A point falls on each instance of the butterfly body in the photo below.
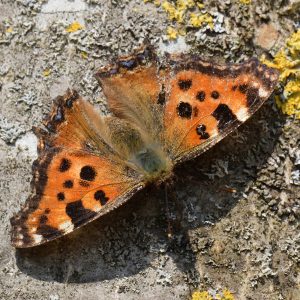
(162, 114)
(156, 167)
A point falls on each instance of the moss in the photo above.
(183, 14)
(287, 61)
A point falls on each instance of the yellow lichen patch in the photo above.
(205, 295)
(84, 55)
(245, 1)
(75, 26)
(182, 14)
(172, 33)
(200, 5)
(284, 63)
(174, 13)
(156, 2)
(9, 30)
(46, 72)
(294, 44)
(292, 93)
(226, 295)
(201, 296)
(197, 20)
(287, 61)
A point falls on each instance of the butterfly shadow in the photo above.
(129, 239)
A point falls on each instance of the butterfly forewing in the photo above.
(205, 102)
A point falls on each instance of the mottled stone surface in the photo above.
(238, 203)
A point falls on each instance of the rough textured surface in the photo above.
(238, 203)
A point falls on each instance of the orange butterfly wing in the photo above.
(73, 183)
(206, 101)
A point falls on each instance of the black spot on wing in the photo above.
(87, 173)
(201, 131)
(60, 196)
(68, 184)
(251, 94)
(101, 197)
(43, 219)
(200, 96)
(184, 84)
(224, 116)
(78, 214)
(48, 231)
(215, 94)
(65, 165)
(162, 96)
(184, 110)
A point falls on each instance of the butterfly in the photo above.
(163, 112)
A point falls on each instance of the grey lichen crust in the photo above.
(237, 206)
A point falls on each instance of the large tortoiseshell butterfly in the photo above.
(162, 114)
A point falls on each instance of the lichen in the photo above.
(172, 33)
(197, 20)
(75, 26)
(46, 72)
(183, 14)
(287, 61)
(84, 54)
(227, 295)
(245, 1)
(206, 295)
(10, 130)
(28, 100)
(201, 296)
